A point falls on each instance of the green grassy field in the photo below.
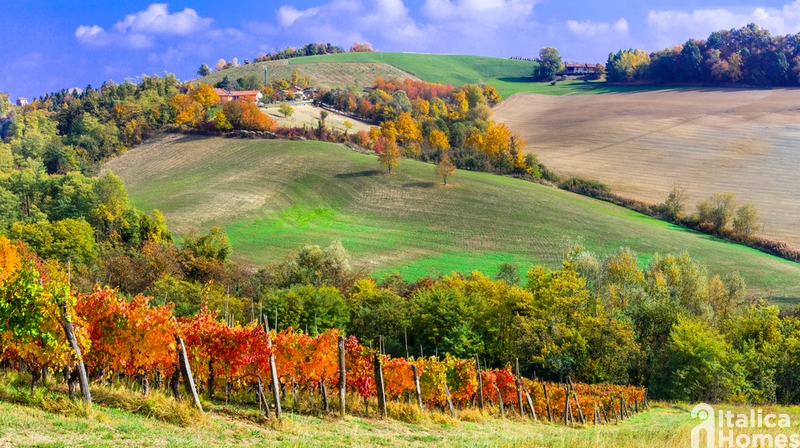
(509, 76)
(338, 70)
(273, 196)
(20, 426)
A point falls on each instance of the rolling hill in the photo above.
(509, 76)
(707, 140)
(272, 196)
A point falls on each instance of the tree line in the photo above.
(312, 49)
(749, 55)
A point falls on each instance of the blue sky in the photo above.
(49, 45)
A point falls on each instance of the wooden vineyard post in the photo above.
(530, 403)
(342, 378)
(211, 384)
(324, 391)
(379, 385)
(622, 410)
(500, 400)
(273, 369)
(417, 389)
(449, 399)
(519, 392)
(567, 409)
(577, 401)
(276, 392)
(480, 382)
(547, 401)
(603, 414)
(69, 332)
(262, 399)
(186, 372)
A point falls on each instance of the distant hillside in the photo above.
(273, 196)
(329, 74)
(509, 76)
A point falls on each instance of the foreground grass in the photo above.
(663, 426)
(272, 197)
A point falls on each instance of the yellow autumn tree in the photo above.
(390, 156)
(445, 168)
(421, 107)
(205, 95)
(438, 139)
(407, 129)
(495, 140)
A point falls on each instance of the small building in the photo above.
(247, 95)
(579, 68)
(224, 95)
(242, 95)
(22, 101)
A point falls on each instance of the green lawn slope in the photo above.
(509, 76)
(272, 196)
(228, 426)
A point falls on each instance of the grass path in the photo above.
(663, 426)
(273, 196)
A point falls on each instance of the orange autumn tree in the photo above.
(244, 115)
(186, 111)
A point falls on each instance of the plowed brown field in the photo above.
(708, 140)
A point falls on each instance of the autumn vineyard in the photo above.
(145, 343)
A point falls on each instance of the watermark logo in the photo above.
(727, 429)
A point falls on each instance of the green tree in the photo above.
(509, 273)
(675, 204)
(717, 210)
(745, 223)
(204, 70)
(4, 104)
(286, 109)
(214, 244)
(111, 216)
(549, 64)
(375, 311)
(701, 365)
(308, 307)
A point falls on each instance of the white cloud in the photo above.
(287, 14)
(156, 19)
(592, 29)
(136, 30)
(493, 11)
(673, 26)
(346, 21)
(92, 35)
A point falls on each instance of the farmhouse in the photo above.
(579, 68)
(244, 95)
(22, 101)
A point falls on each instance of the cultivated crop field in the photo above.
(274, 196)
(708, 140)
(308, 115)
(329, 74)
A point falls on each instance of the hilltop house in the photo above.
(579, 68)
(243, 95)
(22, 101)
